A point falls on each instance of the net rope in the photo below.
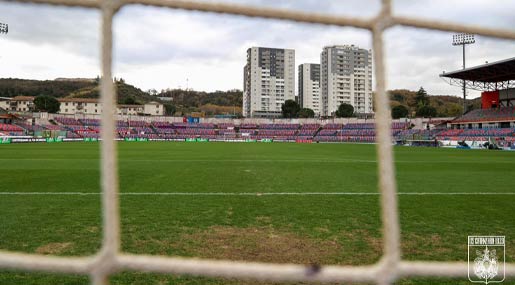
(110, 260)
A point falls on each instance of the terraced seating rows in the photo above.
(484, 115)
(11, 130)
(476, 134)
(331, 132)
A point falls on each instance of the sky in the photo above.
(163, 48)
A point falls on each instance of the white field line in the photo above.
(195, 160)
(259, 194)
(344, 160)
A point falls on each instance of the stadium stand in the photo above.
(488, 115)
(194, 125)
(476, 134)
(354, 132)
(53, 127)
(12, 130)
(310, 132)
(133, 123)
(122, 123)
(164, 130)
(30, 127)
(81, 131)
(333, 126)
(329, 133)
(248, 126)
(278, 132)
(90, 122)
(67, 121)
(226, 126)
(164, 125)
(359, 126)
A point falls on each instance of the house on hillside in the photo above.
(17, 104)
(79, 106)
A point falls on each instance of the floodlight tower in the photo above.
(463, 39)
(4, 28)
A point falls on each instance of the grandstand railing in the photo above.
(110, 259)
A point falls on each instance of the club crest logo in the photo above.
(486, 259)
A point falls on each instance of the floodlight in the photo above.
(463, 39)
(4, 28)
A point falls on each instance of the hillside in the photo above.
(185, 102)
(211, 103)
(10, 87)
(70, 88)
(446, 105)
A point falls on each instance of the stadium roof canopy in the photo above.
(487, 77)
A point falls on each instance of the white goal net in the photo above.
(110, 260)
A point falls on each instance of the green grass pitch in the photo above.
(325, 229)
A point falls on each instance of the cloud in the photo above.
(165, 48)
(358, 8)
(494, 14)
(74, 29)
(20, 60)
(416, 57)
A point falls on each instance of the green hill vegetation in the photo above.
(210, 103)
(11, 87)
(184, 102)
(444, 105)
(71, 88)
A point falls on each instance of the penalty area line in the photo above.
(256, 193)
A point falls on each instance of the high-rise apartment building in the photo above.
(309, 87)
(346, 77)
(269, 80)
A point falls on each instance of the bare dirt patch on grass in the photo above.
(360, 247)
(429, 247)
(263, 244)
(54, 248)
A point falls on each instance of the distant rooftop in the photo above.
(75, 79)
(351, 47)
(499, 71)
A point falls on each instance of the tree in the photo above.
(344, 111)
(399, 111)
(45, 103)
(426, 111)
(453, 110)
(170, 109)
(421, 97)
(290, 109)
(129, 101)
(152, 92)
(306, 113)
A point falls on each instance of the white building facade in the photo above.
(154, 109)
(17, 104)
(346, 77)
(269, 80)
(309, 87)
(79, 106)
